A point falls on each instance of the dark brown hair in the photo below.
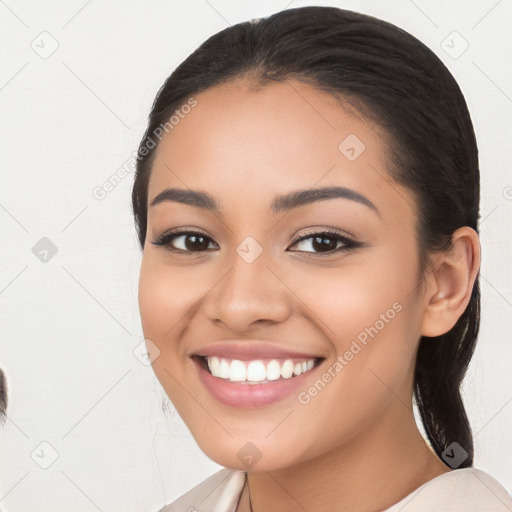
(394, 79)
(3, 397)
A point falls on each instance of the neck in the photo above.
(373, 471)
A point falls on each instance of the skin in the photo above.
(245, 145)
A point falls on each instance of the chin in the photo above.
(244, 455)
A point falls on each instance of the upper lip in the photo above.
(249, 350)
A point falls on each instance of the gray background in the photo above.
(78, 79)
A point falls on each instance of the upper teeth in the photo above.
(256, 371)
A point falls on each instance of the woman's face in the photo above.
(261, 289)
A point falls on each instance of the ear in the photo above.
(451, 282)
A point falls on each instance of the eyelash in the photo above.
(165, 240)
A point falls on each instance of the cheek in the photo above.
(372, 330)
(371, 320)
(373, 339)
(153, 302)
(347, 301)
(160, 312)
(162, 304)
(164, 297)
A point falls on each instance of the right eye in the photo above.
(186, 242)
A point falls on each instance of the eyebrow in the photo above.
(279, 204)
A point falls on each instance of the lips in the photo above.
(250, 376)
(248, 350)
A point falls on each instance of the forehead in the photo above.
(247, 144)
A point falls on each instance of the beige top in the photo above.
(460, 490)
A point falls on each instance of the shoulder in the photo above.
(220, 491)
(459, 490)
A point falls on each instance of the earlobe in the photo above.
(451, 283)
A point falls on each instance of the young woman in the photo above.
(307, 202)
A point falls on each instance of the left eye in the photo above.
(324, 242)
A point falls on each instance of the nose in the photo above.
(249, 295)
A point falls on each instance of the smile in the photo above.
(249, 383)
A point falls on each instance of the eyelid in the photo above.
(165, 238)
(318, 230)
(184, 230)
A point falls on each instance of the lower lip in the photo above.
(236, 394)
